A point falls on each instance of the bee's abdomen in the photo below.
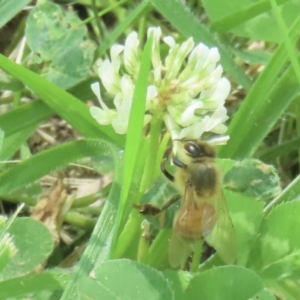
(194, 224)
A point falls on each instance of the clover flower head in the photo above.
(186, 86)
(7, 246)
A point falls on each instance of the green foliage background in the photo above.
(56, 72)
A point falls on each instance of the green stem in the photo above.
(158, 249)
(90, 210)
(101, 13)
(17, 99)
(131, 233)
(151, 167)
(291, 50)
(133, 223)
(196, 256)
(161, 151)
(143, 248)
(142, 29)
(97, 18)
(288, 194)
(79, 220)
(87, 200)
(17, 198)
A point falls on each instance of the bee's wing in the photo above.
(194, 219)
(222, 237)
(179, 251)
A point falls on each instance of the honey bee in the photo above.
(202, 213)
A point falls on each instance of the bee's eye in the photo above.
(193, 150)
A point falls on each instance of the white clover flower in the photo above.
(187, 87)
(7, 247)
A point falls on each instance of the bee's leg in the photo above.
(152, 210)
(178, 163)
(147, 209)
(173, 200)
(163, 164)
(175, 160)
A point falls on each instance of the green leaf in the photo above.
(33, 284)
(285, 288)
(53, 34)
(32, 250)
(179, 281)
(8, 9)
(246, 215)
(279, 243)
(124, 279)
(287, 267)
(224, 283)
(254, 179)
(263, 295)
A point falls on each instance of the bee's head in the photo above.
(198, 149)
(192, 150)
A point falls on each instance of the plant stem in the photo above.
(150, 168)
(87, 200)
(157, 250)
(196, 256)
(79, 220)
(143, 247)
(289, 193)
(129, 234)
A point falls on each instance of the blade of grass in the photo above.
(100, 244)
(239, 17)
(101, 13)
(131, 17)
(249, 119)
(182, 18)
(64, 104)
(279, 150)
(134, 134)
(265, 118)
(12, 143)
(1, 138)
(287, 41)
(42, 163)
(8, 9)
(29, 114)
